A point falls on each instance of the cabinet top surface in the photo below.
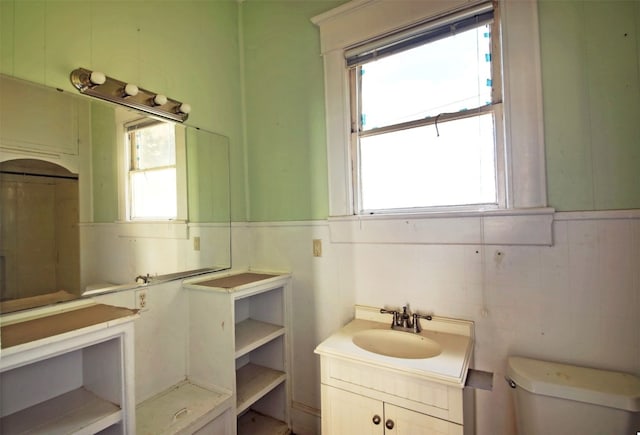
(237, 281)
(449, 367)
(27, 331)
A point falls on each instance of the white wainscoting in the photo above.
(576, 301)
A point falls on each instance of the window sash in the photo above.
(429, 31)
(424, 34)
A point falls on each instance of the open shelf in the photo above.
(251, 334)
(254, 423)
(183, 406)
(253, 382)
(77, 412)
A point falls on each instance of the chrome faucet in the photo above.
(144, 279)
(405, 321)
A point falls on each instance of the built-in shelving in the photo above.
(251, 334)
(77, 412)
(68, 371)
(253, 382)
(251, 356)
(183, 408)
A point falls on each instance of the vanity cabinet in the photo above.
(68, 372)
(238, 332)
(374, 393)
(347, 412)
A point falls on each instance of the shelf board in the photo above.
(254, 423)
(60, 323)
(251, 334)
(77, 412)
(253, 382)
(180, 407)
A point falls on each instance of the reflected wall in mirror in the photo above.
(86, 235)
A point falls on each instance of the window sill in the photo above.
(492, 227)
(174, 229)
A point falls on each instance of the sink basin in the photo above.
(397, 344)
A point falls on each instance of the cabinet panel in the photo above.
(407, 422)
(52, 124)
(68, 378)
(348, 413)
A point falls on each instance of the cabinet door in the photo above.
(348, 413)
(406, 422)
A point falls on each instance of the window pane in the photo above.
(155, 146)
(447, 75)
(153, 194)
(417, 168)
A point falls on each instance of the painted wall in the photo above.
(591, 82)
(284, 95)
(186, 49)
(561, 303)
(591, 86)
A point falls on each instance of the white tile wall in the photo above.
(577, 301)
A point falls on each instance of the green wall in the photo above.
(104, 163)
(591, 81)
(187, 49)
(591, 89)
(285, 127)
(191, 50)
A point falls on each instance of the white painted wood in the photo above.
(492, 228)
(406, 422)
(238, 339)
(253, 382)
(184, 408)
(76, 412)
(344, 412)
(251, 334)
(50, 133)
(358, 20)
(252, 423)
(91, 394)
(418, 396)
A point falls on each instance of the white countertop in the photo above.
(449, 367)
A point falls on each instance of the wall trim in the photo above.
(597, 215)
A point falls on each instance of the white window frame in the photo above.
(359, 21)
(123, 118)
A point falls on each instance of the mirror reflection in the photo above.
(94, 195)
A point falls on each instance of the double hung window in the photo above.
(152, 185)
(426, 114)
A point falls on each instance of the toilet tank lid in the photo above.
(582, 384)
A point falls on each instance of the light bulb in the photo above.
(159, 100)
(184, 108)
(131, 90)
(97, 78)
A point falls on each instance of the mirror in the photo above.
(64, 225)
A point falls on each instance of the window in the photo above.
(423, 116)
(356, 29)
(152, 184)
(424, 121)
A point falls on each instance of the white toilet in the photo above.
(552, 398)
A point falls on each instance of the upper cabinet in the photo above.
(41, 123)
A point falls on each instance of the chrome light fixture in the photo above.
(98, 85)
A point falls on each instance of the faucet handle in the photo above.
(395, 319)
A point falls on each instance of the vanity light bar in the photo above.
(98, 85)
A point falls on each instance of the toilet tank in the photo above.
(552, 398)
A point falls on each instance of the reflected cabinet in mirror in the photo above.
(98, 197)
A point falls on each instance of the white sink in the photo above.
(397, 344)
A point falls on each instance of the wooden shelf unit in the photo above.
(68, 372)
(185, 408)
(250, 357)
